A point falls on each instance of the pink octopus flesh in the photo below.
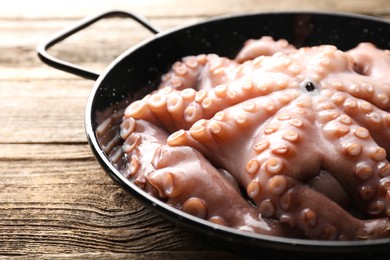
(279, 141)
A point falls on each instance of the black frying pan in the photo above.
(138, 70)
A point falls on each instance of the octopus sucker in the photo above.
(131, 143)
(274, 165)
(285, 201)
(267, 208)
(277, 185)
(127, 127)
(280, 140)
(175, 107)
(280, 149)
(254, 189)
(309, 216)
(261, 146)
(192, 114)
(184, 73)
(195, 207)
(364, 170)
(368, 116)
(366, 193)
(157, 104)
(291, 136)
(140, 110)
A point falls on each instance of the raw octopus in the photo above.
(278, 141)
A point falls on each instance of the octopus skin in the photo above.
(186, 180)
(279, 141)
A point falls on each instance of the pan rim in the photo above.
(204, 226)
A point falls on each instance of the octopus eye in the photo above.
(309, 86)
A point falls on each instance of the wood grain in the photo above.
(55, 200)
(73, 207)
(172, 8)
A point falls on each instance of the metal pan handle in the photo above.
(65, 33)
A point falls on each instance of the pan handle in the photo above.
(44, 46)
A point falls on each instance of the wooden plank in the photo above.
(18, 32)
(15, 152)
(90, 48)
(43, 87)
(190, 254)
(42, 120)
(102, 42)
(43, 111)
(155, 8)
(48, 206)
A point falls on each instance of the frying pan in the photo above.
(137, 72)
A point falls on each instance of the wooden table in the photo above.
(55, 200)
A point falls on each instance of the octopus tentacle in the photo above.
(167, 108)
(364, 114)
(362, 87)
(198, 72)
(265, 46)
(173, 109)
(279, 196)
(366, 75)
(153, 166)
(196, 190)
(141, 140)
(299, 206)
(371, 61)
(362, 160)
(231, 127)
